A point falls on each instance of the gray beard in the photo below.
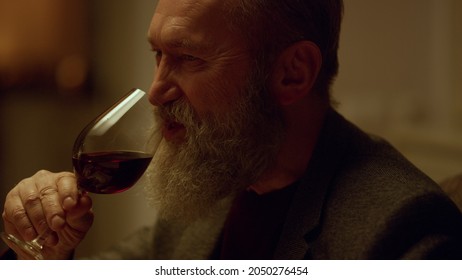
(221, 155)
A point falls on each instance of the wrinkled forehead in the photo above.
(201, 19)
(200, 9)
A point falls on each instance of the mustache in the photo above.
(179, 111)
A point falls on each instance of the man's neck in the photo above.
(303, 129)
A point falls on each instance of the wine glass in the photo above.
(109, 156)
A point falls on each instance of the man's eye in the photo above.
(188, 57)
(158, 56)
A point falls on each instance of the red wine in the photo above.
(109, 172)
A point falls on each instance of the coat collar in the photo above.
(304, 216)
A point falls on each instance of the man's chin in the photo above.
(182, 191)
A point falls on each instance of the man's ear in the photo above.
(295, 72)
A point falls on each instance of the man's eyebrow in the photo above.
(181, 44)
(184, 43)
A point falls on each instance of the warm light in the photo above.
(71, 72)
(44, 43)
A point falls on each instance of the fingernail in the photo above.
(68, 203)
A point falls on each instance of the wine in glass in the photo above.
(114, 150)
(109, 156)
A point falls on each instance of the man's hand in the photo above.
(49, 200)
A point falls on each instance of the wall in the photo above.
(400, 77)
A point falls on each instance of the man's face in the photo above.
(198, 58)
(221, 128)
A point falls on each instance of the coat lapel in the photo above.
(304, 216)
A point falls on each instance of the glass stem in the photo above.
(39, 241)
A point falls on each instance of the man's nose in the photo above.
(164, 89)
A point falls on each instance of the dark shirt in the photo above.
(253, 226)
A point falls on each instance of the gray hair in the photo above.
(272, 25)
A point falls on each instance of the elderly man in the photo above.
(255, 162)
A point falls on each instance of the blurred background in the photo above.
(62, 62)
